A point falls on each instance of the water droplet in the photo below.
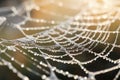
(91, 77)
(76, 77)
(26, 78)
(22, 65)
(44, 77)
(12, 59)
(12, 48)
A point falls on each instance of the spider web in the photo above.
(78, 42)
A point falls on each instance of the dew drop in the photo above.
(22, 65)
(12, 59)
(26, 78)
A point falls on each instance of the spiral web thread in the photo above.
(85, 38)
